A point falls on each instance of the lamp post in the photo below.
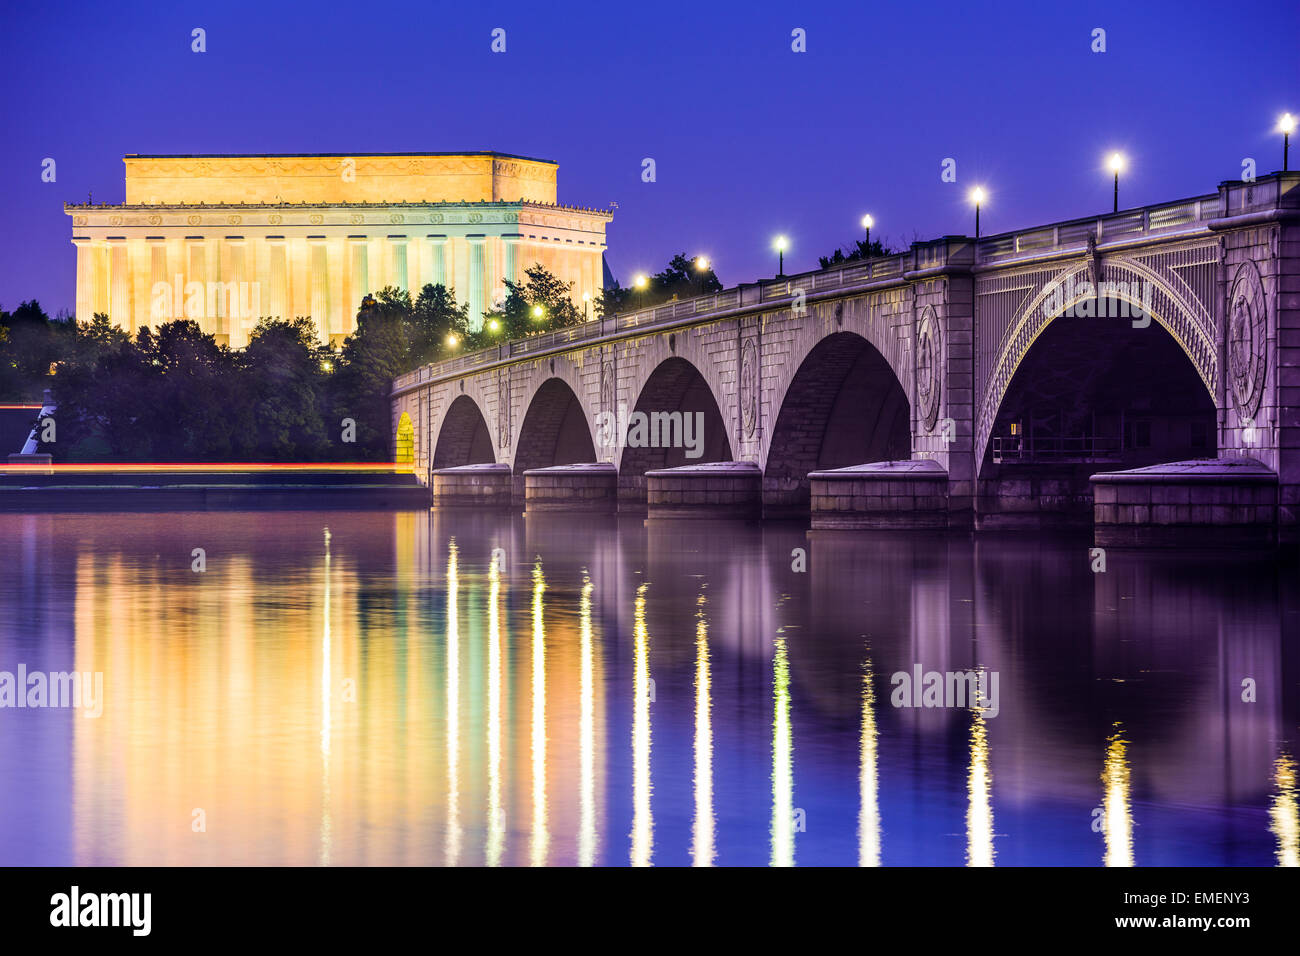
(1116, 164)
(781, 244)
(640, 283)
(1286, 125)
(586, 306)
(977, 197)
(867, 223)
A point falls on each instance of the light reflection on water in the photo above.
(375, 688)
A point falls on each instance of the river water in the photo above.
(466, 689)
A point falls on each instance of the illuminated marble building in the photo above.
(227, 239)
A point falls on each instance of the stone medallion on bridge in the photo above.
(749, 387)
(929, 367)
(1247, 331)
(607, 387)
(503, 407)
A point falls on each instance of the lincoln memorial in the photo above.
(225, 240)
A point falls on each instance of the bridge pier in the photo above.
(588, 487)
(722, 489)
(475, 486)
(1223, 502)
(884, 494)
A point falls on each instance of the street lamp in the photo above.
(1116, 164)
(494, 325)
(781, 245)
(452, 341)
(1286, 126)
(977, 196)
(867, 223)
(538, 312)
(640, 283)
(701, 263)
(586, 305)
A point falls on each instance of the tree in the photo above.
(683, 279)
(859, 250)
(435, 316)
(375, 354)
(541, 303)
(285, 369)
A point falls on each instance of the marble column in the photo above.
(241, 306)
(476, 282)
(299, 255)
(259, 257)
(320, 296)
(162, 294)
(337, 256)
(511, 243)
(119, 309)
(437, 260)
(360, 274)
(195, 307)
(218, 319)
(85, 279)
(397, 256)
(141, 265)
(278, 275)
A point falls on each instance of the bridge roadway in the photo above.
(984, 364)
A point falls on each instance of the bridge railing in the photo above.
(1133, 223)
(1066, 236)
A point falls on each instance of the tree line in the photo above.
(175, 394)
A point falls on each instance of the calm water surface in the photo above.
(358, 688)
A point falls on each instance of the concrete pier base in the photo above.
(471, 486)
(590, 487)
(1214, 502)
(882, 494)
(720, 489)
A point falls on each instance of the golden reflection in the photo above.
(586, 735)
(541, 833)
(1283, 816)
(496, 813)
(979, 788)
(702, 829)
(325, 715)
(868, 793)
(453, 706)
(1117, 819)
(642, 821)
(782, 762)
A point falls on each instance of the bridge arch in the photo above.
(843, 405)
(556, 429)
(463, 437)
(1146, 283)
(676, 388)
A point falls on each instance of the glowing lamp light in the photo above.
(1115, 163)
(1286, 124)
(452, 341)
(327, 366)
(782, 244)
(537, 312)
(494, 325)
(640, 281)
(702, 263)
(977, 196)
(867, 222)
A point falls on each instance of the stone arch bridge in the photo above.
(963, 383)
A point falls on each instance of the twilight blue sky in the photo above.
(749, 138)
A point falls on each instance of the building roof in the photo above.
(462, 152)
